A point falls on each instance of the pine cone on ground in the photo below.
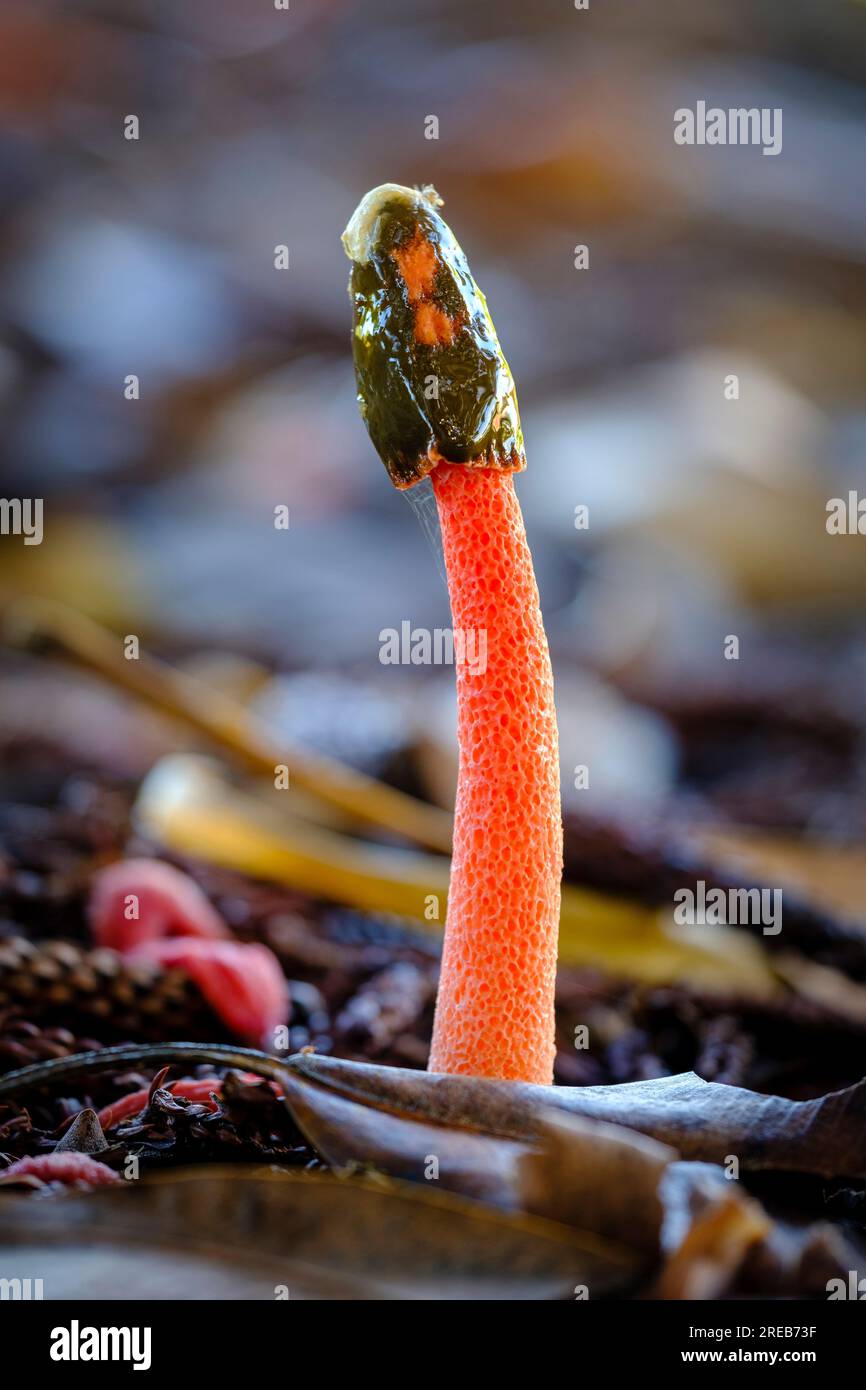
(68, 985)
(23, 1043)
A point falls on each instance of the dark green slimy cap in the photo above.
(424, 402)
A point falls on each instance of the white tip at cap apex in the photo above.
(358, 236)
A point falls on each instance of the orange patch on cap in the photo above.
(432, 325)
(417, 262)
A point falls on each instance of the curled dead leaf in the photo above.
(709, 1227)
(351, 1136)
(702, 1120)
(587, 1172)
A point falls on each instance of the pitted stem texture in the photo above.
(494, 1016)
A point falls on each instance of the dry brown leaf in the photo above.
(700, 1119)
(623, 1185)
(709, 1227)
(595, 1175)
(625, 1198)
(350, 1135)
(242, 1233)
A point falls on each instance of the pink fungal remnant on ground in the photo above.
(135, 900)
(148, 910)
(64, 1168)
(244, 984)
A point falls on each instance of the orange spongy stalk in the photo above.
(494, 1015)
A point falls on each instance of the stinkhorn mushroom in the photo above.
(438, 399)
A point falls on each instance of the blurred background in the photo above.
(164, 387)
(258, 128)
